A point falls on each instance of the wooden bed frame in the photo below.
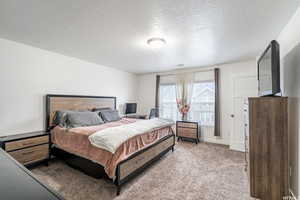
(126, 169)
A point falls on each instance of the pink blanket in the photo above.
(76, 141)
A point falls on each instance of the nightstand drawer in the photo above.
(10, 146)
(32, 154)
(187, 132)
(187, 125)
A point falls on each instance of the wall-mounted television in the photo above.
(130, 108)
(269, 70)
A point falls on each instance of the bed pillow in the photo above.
(100, 109)
(85, 118)
(110, 115)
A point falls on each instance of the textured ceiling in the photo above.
(114, 32)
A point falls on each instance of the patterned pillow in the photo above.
(60, 118)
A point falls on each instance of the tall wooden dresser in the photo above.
(268, 147)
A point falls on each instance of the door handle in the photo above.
(232, 115)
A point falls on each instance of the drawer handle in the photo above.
(139, 160)
(27, 143)
(27, 153)
(26, 161)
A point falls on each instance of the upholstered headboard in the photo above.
(56, 102)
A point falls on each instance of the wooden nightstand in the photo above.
(28, 148)
(187, 130)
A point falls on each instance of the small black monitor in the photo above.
(130, 108)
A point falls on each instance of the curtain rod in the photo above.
(181, 72)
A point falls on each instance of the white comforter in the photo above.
(111, 138)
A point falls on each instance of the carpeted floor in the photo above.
(200, 172)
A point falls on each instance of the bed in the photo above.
(131, 158)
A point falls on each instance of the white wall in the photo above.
(146, 94)
(289, 40)
(27, 74)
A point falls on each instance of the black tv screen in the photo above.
(269, 71)
(130, 108)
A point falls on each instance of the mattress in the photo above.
(75, 141)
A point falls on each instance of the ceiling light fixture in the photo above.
(156, 42)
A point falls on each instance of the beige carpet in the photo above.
(203, 171)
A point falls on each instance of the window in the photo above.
(167, 102)
(203, 103)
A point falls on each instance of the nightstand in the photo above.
(28, 148)
(187, 130)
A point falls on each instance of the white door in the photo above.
(243, 87)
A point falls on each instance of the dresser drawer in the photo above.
(10, 146)
(187, 125)
(187, 132)
(31, 154)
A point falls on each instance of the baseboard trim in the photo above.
(292, 195)
(213, 140)
(237, 146)
(217, 144)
